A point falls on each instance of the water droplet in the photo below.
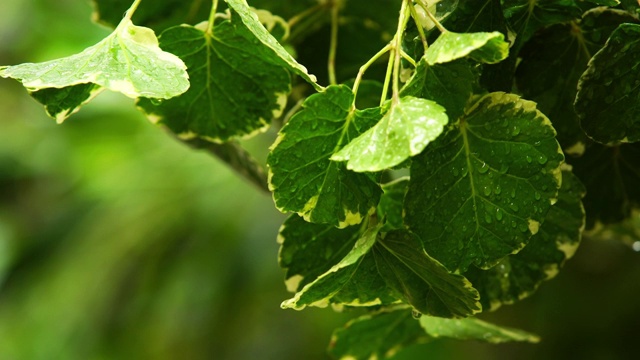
(499, 214)
(486, 190)
(515, 131)
(542, 159)
(498, 189)
(487, 218)
(484, 168)
(514, 207)
(529, 159)
(537, 195)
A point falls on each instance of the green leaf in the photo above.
(608, 92)
(237, 87)
(354, 281)
(251, 21)
(481, 190)
(450, 85)
(486, 16)
(129, 61)
(518, 276)
(377, 336)
(477, 16)
(616, 169)
(302, 177)
(422, 281)
(526, 16)
(309, 250)
(62, 103)
(158, 14)
(485, 47)
(404, 131)
(552, 63)
(474, 329)
(391, 204)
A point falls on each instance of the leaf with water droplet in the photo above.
(434, 191)
(129, 61)
(354, 281)
(526, 17)
(404, 131)
(252, 23)
(237, 85)
(308, 250)
(377, 335)
(484, 47)
(552, 63)
(519, 275)
(391, 204)
(450, 85)
(474, 329)
(607, 101)
(420, 280)
(325, 191)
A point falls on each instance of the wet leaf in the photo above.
(302, 177)
(377, 336)
(449, 85)
(499, 166)
(404, 131)
(552, 63)
(308, 250)
(484, 47)
(237, 86)
(525, 17)
(251, 21)
(518, 276)
(420, 280)
(62, 103)
(391, 204)
(129, 61)
(608, 92)
(354, 281)
(474, 329)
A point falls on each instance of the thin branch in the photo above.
(236, 157)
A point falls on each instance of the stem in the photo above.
(236, 157)
(423, 37)
(132, 9)
(387, 77)
(408, 58)
(212, 17)
(331, 65)
(365, 67)
(432, 17)
(297, 18)
(397, 49)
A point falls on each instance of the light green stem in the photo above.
(132, 9)
(212, 17)
(397, 49)
(331, 65)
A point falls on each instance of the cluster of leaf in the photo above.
(491, 208)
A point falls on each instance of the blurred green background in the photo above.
(118, 242)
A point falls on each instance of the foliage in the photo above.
(511, 117)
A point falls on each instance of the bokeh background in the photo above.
(118, 242)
